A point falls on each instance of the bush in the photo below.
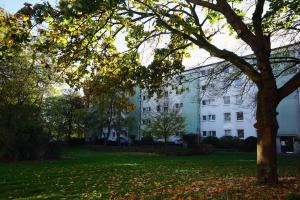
(22, 136)
(250, 144)
(77, 141)
(146, 140)
(211, 140)
(292, 196)
(229, 142)
(191, 139)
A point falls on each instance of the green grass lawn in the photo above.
(86, 174)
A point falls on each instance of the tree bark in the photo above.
(267, 128)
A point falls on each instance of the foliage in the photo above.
(211, 140)
(165, 124)
(250, 144)
(136, 175)
(229, 142)
(147, 139)
(22, 135)
(65, 116)
(191, 139)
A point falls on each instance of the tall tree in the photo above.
(87, 30)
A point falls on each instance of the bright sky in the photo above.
(13, 6)
(197, 56)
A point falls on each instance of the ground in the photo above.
(87, 174)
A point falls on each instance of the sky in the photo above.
(13, 6)
(197, 56)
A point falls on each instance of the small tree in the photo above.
(165, 124)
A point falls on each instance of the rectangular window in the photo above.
(166, 109)
(158, 108)
(238, 99)
(227, 132)
(227, 116)
(176, 105)
(213, 133)
(144, 109)
(238, 83)
(204, 117)
(204, 133)
(211, 117)
(181, 105)
(240, 133)
(144, 98)
(166, 93)
(239, 116)
(208, 102)
(203, 87)
(149, 109)
(226, 99)
(226, 69)
(203, 73)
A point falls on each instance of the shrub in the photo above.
(22, 135)
(191, 139)
(229, 142)
(76, 141)
(292, 196)
(147, 140)
(211, 140)
(250, 144)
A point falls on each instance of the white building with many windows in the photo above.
(216, 100)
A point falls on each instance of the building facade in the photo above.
(229, 111)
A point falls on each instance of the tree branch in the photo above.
(289, 87)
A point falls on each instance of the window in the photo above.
(239, 116)
(227, 132)
(238, 83)
(181, 105)
(209, 117)
(144, 98)
(144, 109)
(166, 108)
(227, 116)
(226, 99)
(146, 121)
(212, 117)
(204, 133)
(158, 108)
(149, 109)
(240, 133)
(208, 102)
(238, 99)
(212, 133)
(226, 69)
(176, 105)
(166, 93)
(203, 87)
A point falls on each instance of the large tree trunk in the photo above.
(267, 128)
